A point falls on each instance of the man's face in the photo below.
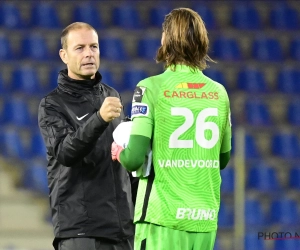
(82, 55)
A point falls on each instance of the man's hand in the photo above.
(115, 151)
(111, 108)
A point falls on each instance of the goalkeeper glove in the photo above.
(115, 151)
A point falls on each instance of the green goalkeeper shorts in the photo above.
(155, 237)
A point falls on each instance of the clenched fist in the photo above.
(111, 108)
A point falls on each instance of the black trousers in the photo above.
(94, 244)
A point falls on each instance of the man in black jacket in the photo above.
(90, 195)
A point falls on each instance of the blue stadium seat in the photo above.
(147, 47)
(35, 177)
(88, 13)
(254, 214)
(35, 47)
(25, 80)
(294, 177)
(127, 109)
(10, 16)
(6, 52)
(107, 77)
(286, 145)
(257, 112)
(132, 76)
(226, 48)
(227, 175)
(288, 80)
(207, 15)
(252, 80)
(287, 244)
(267, 49)
(3, 88)
(295, 48)
(263, 178)
(293, 113)
(12, 145)
(216, 75)
(112, 48)
(284, 17)
(126, 17)
(16, 112)
(245, 16)
(285, 211)
(157, 15)
(44, 15)
(251, 149)
(37, 146)
(225, 216)
(252, 242)
(53, 75)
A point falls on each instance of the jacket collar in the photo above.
(73, 86)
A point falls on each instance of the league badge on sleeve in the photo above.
(140, 109)
(138, 94)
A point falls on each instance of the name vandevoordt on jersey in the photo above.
(189, 163)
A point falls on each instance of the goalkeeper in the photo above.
(185, 117)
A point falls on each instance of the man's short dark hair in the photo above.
(73, 26)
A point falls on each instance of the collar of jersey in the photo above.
(184, 68)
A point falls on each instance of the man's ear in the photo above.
(63, 55)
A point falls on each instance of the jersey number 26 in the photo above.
(201, 126)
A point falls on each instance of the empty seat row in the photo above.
(34, 46)
(242, 16)
(263, 48)
(283, 211)
(281, 16)
(257, 113)
(284, 144)
(253, 79)
(46, 15)
(21, 146)
(261, 177)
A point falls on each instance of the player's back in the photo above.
(190, 112)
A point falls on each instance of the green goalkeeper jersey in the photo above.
(188, 117)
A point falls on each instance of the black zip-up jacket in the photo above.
(90, 195)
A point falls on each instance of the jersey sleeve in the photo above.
(226, 142)
(142, 111)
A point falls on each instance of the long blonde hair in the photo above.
(186, 40)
